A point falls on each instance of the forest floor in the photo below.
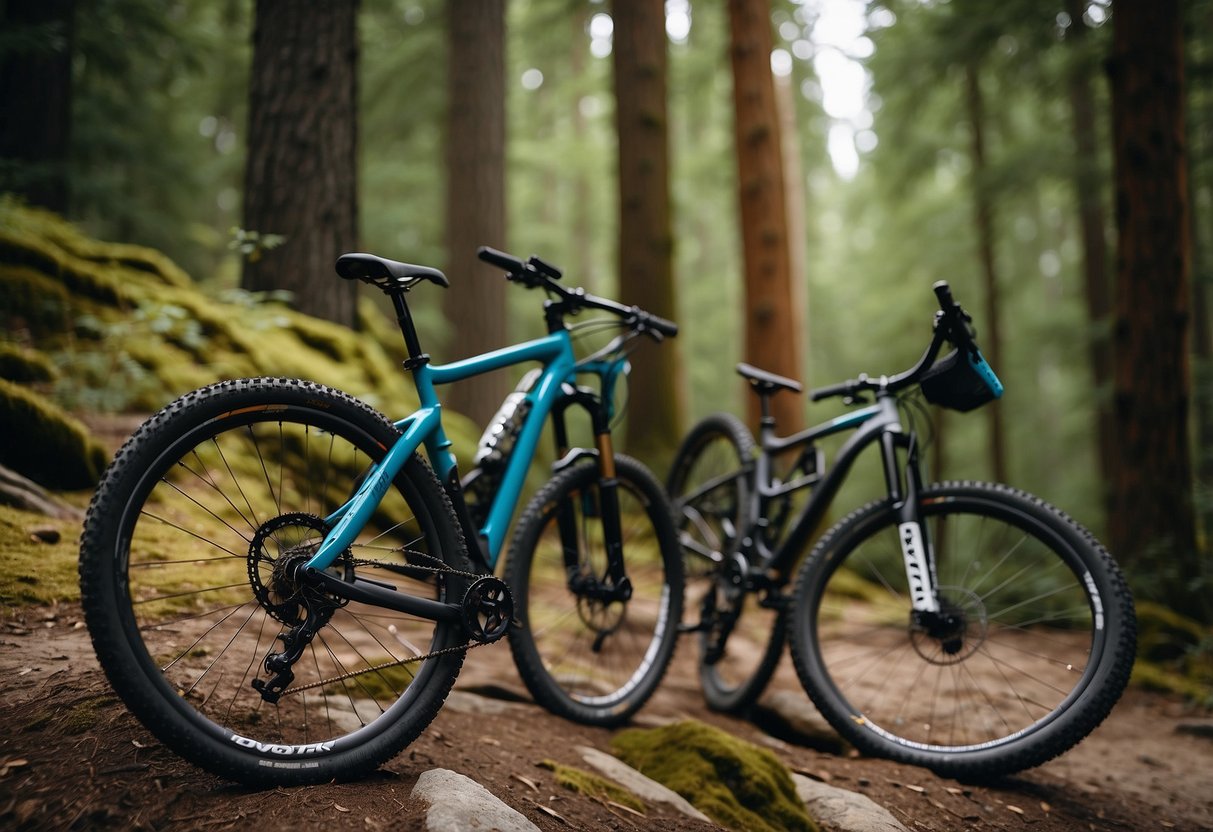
(71, 757)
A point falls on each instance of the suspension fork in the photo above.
(603, 503)
(904, 483)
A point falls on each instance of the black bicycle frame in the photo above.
(880, 423)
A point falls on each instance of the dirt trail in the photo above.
(71, 757)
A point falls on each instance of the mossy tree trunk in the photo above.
(1152, 524)
(301, 173)
(646, 268)
(770, 305)
(475, 305)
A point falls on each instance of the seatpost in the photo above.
(405, 319)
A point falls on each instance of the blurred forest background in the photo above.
(1051, 159)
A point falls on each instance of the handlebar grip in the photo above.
(829, 392)
(944, 293)
(500, 259)
(665, 327)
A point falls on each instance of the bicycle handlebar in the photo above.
(952, 324)
(535, 273)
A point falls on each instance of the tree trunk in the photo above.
(35, 99)
(301, 173)
(983, 219)
(770, 320)
(1200, 127)
(1152, 526)
(1097, 286)
(475, 305)
(646, 271)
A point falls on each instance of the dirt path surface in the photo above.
(72, 758)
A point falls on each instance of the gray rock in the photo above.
(459, 804)
(648, 790)
(473, 703)
(839, 810)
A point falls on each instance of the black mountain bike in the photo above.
(967, 627)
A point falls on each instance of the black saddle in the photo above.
(386, 274)
(765, 383)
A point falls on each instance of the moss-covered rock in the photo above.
(592, 785)
(130, 332)
(737, 784)
(25, 366)
(1174, 653)
(45, 444)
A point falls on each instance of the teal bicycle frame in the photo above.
(424, 427)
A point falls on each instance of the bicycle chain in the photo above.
(442, 568)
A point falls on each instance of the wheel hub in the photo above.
(955, 632)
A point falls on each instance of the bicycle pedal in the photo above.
(692, 628)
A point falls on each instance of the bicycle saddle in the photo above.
(765, 382)
(384, 273)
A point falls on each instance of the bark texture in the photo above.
(301, 173)
(475, 305)
(35, 100)
(646, 271)
(1152, 525)
(771, 335)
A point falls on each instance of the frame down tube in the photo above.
(555, 351)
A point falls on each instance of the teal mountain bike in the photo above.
(967, 627)
(283, 590)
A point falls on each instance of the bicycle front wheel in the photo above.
(187, 584)
(741, 638)
(1031, 648)
(584, 654)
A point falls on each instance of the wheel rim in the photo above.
(598, 651)
(709, 501)
(205, 597)
(1018, 650)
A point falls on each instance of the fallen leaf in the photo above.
(628, 809)
(918, 789)
(551, 812)
(138, 744)
(526, 781)
(9, 765)
(1014, 809)
(340, 808)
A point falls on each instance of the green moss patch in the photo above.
(1174, 654)
(592, 785)
(737, 784)
(45, 444)
(123, 329)
(25, 366)
(35, 572)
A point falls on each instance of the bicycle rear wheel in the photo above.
(584, 656)
(1032, 647)
(710, 489)
(187, 589)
